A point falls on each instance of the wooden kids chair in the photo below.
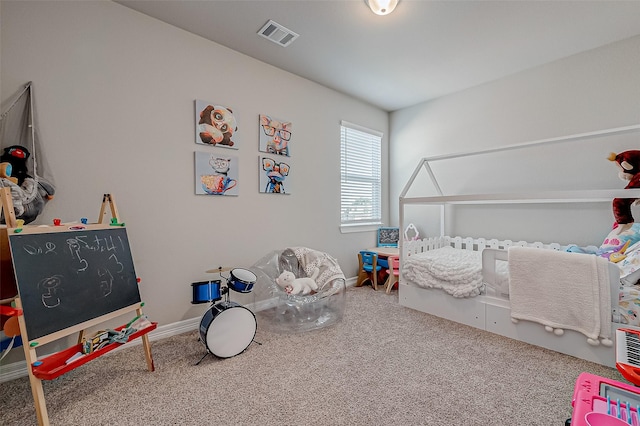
(369, 268)
(393, 271)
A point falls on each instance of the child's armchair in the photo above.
(290, 312)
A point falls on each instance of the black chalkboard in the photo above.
(66, 278)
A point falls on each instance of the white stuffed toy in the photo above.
(293, 285)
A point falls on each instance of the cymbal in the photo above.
(218, 269)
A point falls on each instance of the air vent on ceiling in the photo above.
(277, 33)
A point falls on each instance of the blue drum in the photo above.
(206, 291)
(241, 280)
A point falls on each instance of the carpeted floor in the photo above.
(382, 365)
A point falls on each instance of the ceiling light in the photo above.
(382, 7)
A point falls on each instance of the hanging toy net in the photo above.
(23, 168)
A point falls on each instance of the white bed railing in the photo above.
(472, 244)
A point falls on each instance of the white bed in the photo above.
(471, 281)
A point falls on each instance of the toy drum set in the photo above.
(227, 328)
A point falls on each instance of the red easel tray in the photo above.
(56, 364)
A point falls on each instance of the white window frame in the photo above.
(360, 176)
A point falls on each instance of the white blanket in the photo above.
(328, 267)
(458, 272)
(561, 291)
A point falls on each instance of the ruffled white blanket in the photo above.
(458, 272)
(328, 267)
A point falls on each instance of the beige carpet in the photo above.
(382, 365)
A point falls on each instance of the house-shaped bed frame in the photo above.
(489, 312)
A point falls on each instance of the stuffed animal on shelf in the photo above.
(629, 170)
(293, 285)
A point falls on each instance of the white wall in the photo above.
(594, 90)
(114, 93)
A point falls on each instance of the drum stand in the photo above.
(203, 357)
(209, 353)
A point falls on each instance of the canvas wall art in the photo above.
(216, 125)
(216, 174)
(274, 176)
(275, 135)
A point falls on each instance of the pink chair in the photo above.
(393, 271)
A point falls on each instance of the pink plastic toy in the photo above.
(598, 401)
(603, 419)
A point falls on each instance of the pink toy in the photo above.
(598, 401)
(603, 419)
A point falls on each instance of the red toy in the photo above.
(629, 165)
(628, 354)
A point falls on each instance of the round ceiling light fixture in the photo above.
(381, 7)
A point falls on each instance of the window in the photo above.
(360, 175)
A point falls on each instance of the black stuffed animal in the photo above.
(17, 156)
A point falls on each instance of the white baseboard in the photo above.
(18, 369)
(12, 371)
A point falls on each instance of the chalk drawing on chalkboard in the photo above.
(388, 237)
(74, 248)
(49, 247)
(106, 281)
(50, 287)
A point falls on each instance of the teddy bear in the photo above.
(293, 285)
(628, 163)
(217, 125)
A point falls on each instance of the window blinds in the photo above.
(360, 175)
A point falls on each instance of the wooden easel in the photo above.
(8, 290)
(108, 199)
(56, 364)
(7, 206)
